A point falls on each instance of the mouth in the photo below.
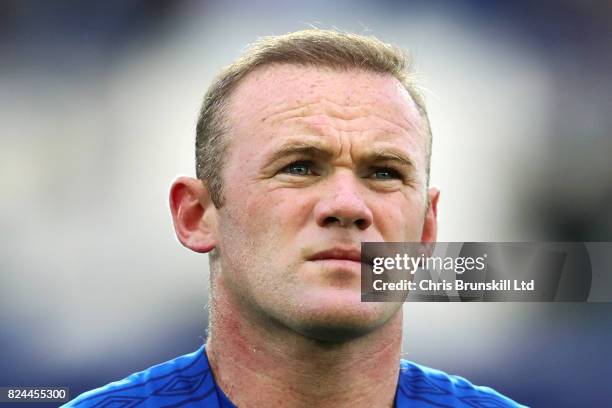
(338, 254)
(338, 266)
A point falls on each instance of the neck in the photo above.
(260, 365)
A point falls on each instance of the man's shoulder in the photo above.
(423, 386)
(179, 382)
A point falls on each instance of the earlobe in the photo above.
(193, 214)
(430, 226)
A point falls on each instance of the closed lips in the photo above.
(338, 254)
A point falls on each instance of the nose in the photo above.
(342, 205)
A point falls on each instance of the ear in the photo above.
(430, 226)
(193, 214)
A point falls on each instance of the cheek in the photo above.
(281, 207)
(400, 218)
(260, 212)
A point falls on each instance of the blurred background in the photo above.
(98, 104)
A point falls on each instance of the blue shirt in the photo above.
(188, 381)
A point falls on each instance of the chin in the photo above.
(339, 319)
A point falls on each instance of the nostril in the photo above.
(361, 224)
(331, 220)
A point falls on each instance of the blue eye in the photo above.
(299, 168)
(386, 174)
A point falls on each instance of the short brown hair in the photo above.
(313, 47)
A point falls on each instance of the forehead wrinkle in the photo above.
(379, 142)
(334, 110)
(333, 136)
(334, 126)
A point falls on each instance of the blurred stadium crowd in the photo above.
(98, 102)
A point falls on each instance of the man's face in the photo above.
(319, 161)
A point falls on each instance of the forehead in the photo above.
(270, 89)
(346, 110)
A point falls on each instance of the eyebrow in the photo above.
(389, 155)
(321, 151)
(294, 148)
